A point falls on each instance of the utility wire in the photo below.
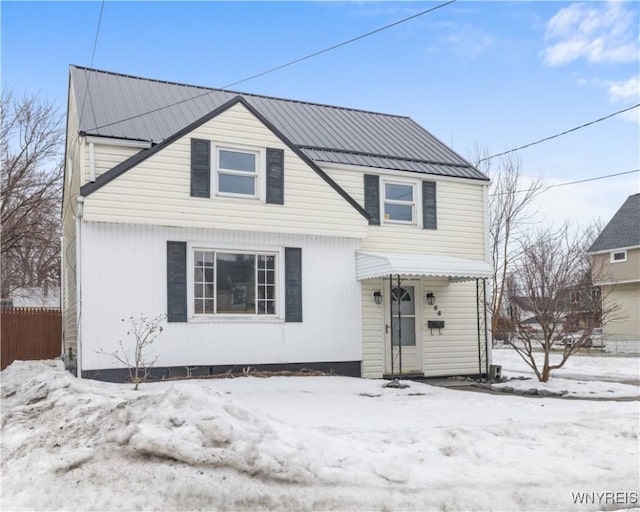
(271, 70)
(337, 45)
(93, 55)
(561, 133)
(595, 178)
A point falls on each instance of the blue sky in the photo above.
(495, 74)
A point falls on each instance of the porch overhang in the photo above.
(381, 264)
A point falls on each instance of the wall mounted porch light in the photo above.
(431, 299)
(377, 297)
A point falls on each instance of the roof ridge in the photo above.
(182, 84)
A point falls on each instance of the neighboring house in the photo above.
(273, 233)
(616, 258)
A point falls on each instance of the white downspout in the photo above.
(79, 212)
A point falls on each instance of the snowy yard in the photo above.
(583, 375)
(306, 443)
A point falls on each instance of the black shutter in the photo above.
(372, 197)
(293, 284)
(200, 168)
(176, 281)
(429, 213)
(275, 176)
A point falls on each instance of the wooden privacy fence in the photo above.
(30, 333)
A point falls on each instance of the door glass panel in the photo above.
(407, 316)
(407, 304)
(407, 334)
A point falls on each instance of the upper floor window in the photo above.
(618, 256)
(399, 202)
(237, 172)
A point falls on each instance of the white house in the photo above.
(273, 233)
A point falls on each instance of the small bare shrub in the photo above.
(139, 361)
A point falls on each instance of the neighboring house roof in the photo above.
(623, 230)
(323, 133)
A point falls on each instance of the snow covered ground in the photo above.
(306, 443)
(582, 375)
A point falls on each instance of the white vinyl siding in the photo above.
(106, 157)
(624, 322)
(609, 272)
(460, 213)
(157, 191)
(68, 251)
(124, 273)
(372, 330)
(452, 351)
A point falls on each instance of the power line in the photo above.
(561, 133)
(337, 45)
(595, 178)
(271, 70)
(93, 55)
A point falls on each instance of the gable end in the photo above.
(123, 167)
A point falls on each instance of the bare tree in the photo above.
(137, 359)
(31, 144)
(510, 211)
(552, 283)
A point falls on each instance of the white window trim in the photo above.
(416, 209)
(259, 176)
(277, 251)
(618, 261)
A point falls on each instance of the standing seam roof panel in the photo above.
(115, 97)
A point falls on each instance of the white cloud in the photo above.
(625, 91)
(598, 33)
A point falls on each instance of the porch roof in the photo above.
(381, 264)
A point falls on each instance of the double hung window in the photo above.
(399, 202)
(229, 283)
(237, 172)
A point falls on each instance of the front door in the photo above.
(403, 331)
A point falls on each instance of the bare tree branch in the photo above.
(510, 198)
(31, 145)
(553, 303)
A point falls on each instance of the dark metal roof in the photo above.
(623, 230)
(322, 132)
